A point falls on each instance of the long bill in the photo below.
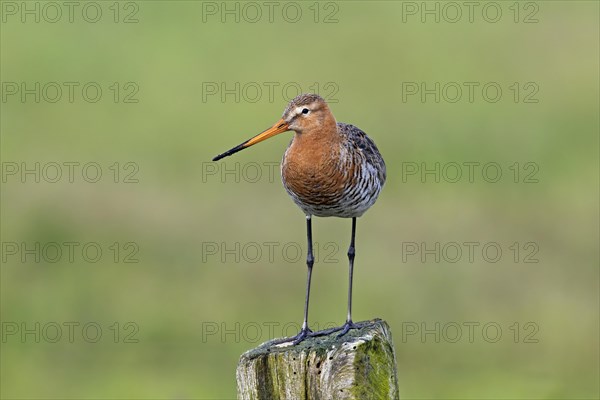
(279, 127)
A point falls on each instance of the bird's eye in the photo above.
(305, 111)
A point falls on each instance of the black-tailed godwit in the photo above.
(330, 169)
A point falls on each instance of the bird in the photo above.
(330, 169)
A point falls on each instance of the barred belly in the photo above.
(343, 186)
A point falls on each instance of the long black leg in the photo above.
(351, 252)
(349, 324)
(310, 260)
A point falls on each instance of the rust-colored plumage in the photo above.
(330, 169)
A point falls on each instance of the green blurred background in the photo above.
(193, 309)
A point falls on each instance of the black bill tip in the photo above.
(230, 152)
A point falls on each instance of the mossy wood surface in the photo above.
(359, 365)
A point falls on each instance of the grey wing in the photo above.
(360, 139)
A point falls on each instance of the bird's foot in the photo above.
(303, 334)
(344, 328)
(326, 332)
(307, 333)
(347, 326)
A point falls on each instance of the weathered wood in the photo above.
(359, 365)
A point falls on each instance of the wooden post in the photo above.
(359, 365)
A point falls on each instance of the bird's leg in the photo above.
(349, 324)
(310, 260)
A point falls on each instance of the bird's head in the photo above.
(305, 113)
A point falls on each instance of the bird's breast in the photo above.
(329, 181)
(313, 174)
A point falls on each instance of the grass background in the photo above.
(178, 292)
